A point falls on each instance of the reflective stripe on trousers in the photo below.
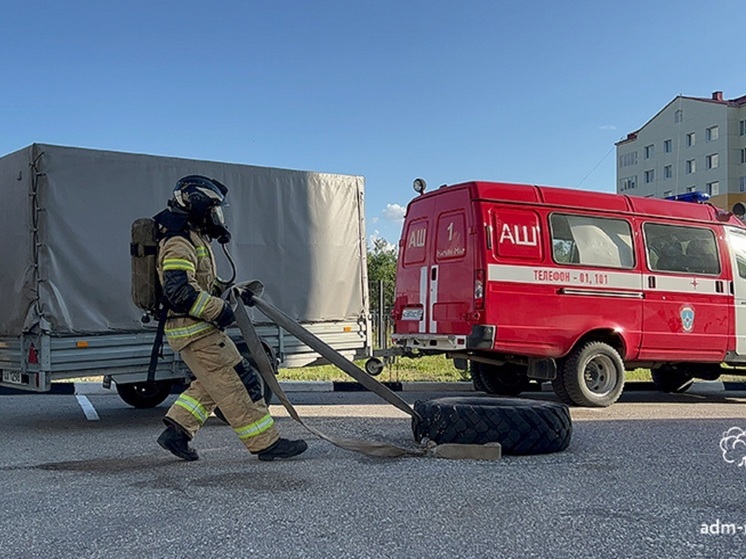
(254, 429)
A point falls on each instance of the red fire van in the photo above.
(549, 283)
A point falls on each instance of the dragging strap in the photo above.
(370, 448)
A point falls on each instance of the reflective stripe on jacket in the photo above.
(186, 268)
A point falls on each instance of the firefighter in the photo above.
(197, 318)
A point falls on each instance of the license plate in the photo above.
(411, 314)
(12, 377)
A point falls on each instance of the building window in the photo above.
(691, 167)
(650, 176)
(690, 139)
(667, 146)
(628, 159)
(668, 171)
(743, 155)
(742, 184)
(712, 161)
(691, 188)
(712, 133)
(743, 128)
(713, 188)
(649, 150)
(678, 116)
(667, 193)
(628, 183)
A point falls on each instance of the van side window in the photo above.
(675, 248)
(415, 241)
(591, 241)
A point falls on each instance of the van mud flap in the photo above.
(482, 451)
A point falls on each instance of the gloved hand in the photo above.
(226, 316)
(247, 296)
(248, 290)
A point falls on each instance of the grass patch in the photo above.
(434, 368)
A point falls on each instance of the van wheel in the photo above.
(670, 379)
(143, 395)
(504, 380)
(475, 369)
(521, 426)
(592, 375)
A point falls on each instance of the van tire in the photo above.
(503, 380)
(592, 375)
(475, 369)
(144, 395)
(668, 379)
(521, 426)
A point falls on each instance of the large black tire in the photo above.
(670, 379)
(504, 380)
(144, 395)
(520, 426)
(592, 375)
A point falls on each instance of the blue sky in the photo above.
(534, 91)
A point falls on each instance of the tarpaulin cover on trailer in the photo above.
(66, 218)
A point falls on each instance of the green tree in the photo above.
(382, 267)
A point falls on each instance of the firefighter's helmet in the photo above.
(202, 198)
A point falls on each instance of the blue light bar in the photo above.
(696, 197)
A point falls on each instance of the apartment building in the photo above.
(692, 144)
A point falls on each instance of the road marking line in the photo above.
(87, 407)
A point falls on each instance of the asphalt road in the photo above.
(643, 478)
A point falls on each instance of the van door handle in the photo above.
(433, 274)
(719, 288)
(651, 282)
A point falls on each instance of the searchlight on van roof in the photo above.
(696, 197)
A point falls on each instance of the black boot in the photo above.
(283, 448)
(176, 441)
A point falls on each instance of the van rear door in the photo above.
(435, 279)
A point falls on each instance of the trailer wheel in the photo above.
(669, 379)
(591, 375)
(144, 395)
(504, 380)
(521, 426)
(475, 369)
(374, 366)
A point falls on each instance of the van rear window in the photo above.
(450, 242)
(591, 241)
(415, 241)
(675, 248)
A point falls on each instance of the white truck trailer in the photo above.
(65, 278)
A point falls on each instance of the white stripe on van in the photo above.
(602, 279)
(564, 276)
(433, 299)
(423, 299)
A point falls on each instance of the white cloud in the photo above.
(607, 127)
(376, 236)
(373, 220)
(394, 212)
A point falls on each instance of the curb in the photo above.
(96, 389)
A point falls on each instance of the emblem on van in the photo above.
(687, 318)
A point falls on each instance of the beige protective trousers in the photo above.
(212, 360)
